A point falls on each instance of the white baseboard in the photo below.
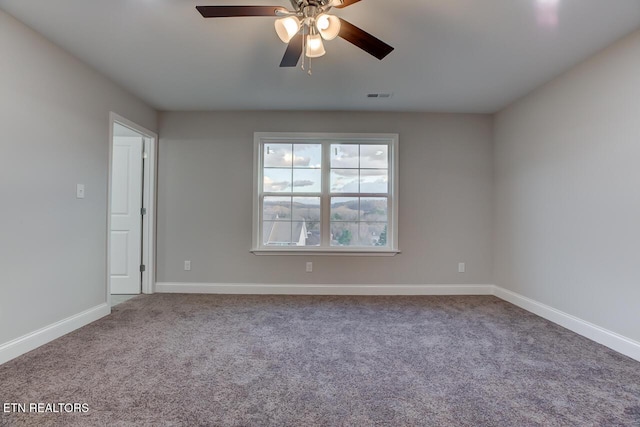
(280, 289)
(614, 341)
(33, 340)
(610, 339)
(617, 342)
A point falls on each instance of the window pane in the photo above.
(276, 208)
(344, 181)
(276, 233)
(307, 180)
(374, 181)
(277, 155)
(373, 234)
(344, 155)
(306, 202)
(374, 156)
(307, 156)
(313, 234)
(344, 209)
(306, 208)
(373, 209)
(277, 180)
(344, 234)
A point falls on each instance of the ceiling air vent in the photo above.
(379, 95)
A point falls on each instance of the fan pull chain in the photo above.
(304, 52)
(304, 47)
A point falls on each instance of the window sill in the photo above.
(325, 252)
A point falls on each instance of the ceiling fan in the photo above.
(305, 26)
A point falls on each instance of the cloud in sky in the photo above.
(340, 173)
(359, 156)
(285, 160)
(280, 186)
(272, 186)
(303, 183)
(374, 156)
(301, 161)
(359, 180)
(296, 155)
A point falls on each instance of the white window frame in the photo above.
(262, 138)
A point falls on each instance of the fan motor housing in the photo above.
(303, 4)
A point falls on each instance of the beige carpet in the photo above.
(199, 360)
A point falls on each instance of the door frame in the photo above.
(148, 201)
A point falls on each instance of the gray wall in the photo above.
(54, 117)
(205, 199)
(567, 188)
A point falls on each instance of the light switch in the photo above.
(79, 191)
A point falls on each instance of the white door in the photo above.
(126, 218)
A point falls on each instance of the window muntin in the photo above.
(325, 193)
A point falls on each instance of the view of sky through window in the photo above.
(356, 176)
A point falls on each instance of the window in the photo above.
(325, 193)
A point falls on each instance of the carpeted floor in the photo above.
(197, 360)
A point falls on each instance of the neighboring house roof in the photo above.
(281, 233)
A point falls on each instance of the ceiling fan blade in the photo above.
(231, 11)
(293, 53)
(346, 3)
(364, 40)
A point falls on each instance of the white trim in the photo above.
(315, 252)
(614, 341)
(610, 339)
(390, 139)
(150, 194)
(149, 226)
(33, 340)
(292, 289)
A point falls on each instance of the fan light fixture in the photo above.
(328, 26)
(315, 48)
(287, 27)
(315, 25)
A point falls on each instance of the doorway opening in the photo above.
(131, 210)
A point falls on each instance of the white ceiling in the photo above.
(450, 55)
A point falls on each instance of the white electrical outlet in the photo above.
(79, 191)
(309, 267)
(461, 267)
(187, 266)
